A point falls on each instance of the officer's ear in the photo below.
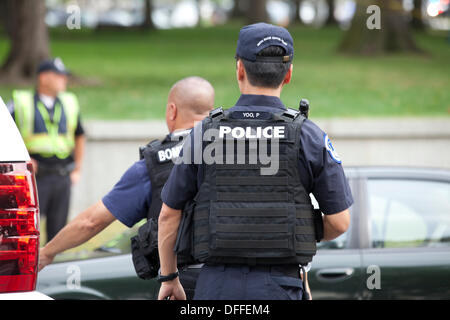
(171, 112)
(240, 70)
(288, 76)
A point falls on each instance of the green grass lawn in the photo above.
(132, 72)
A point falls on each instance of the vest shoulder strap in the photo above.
(217, 114)
(158, 172)
(290, 115)
(147, 154)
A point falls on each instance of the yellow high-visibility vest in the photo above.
(50, 143)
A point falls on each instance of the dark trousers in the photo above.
(54, 199)
(223, 282)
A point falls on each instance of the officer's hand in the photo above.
(44, 259)
(172, 290)
(75, 176)
(35, 165)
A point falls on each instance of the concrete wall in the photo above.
(113, 146)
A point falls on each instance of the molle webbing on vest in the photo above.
(243, 216)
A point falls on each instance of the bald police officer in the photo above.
(137, 194)
(253, 219)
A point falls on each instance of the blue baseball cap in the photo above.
(55, 65)
(256, 37)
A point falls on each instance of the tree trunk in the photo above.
(256, 11)
(331, 20)
(417, 19)
(393, 36)
(29, 41)
(199, 12)
(3, 15)
(238, 10)
(296, 6)
(148, 22)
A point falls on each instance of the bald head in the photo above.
(190, 99)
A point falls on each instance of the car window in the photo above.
(121, 244)
(409, 213)
(338, 243)
(117, 245)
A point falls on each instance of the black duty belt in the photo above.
(287, 270)
(45, 170)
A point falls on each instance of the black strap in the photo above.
(289, 115)
(252, 212)
(304, 214)
(304, 229)
(252, 228)
(251, 181)
(305, 246)
(217, 114)
(281, 165)
(253, 196)
(252, 244)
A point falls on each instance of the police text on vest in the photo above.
(270, 132)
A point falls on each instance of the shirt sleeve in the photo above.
(130, 199)
(79, 130)
(330, 187)
(10, 107)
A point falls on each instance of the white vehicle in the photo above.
(19, 215)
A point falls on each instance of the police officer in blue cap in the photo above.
(253, 223)
(49, 122)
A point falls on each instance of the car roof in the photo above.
(404, 172)
(12, 147)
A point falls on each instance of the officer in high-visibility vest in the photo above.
(49, 120)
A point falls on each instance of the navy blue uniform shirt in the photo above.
(321, 171)
(131, 197)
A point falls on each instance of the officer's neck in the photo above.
(247, 88)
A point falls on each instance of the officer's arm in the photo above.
(335, 224)
(168, 223)
(86, 225)
(80, 142)
(10, 107)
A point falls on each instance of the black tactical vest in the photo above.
(158, 157)
(242, 216)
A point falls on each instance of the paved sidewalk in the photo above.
(351, 128)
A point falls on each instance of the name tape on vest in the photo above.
(270, 132)
(169, 153)
(251, 115)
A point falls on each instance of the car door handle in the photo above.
(334, 274)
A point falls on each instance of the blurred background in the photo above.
(382, 95)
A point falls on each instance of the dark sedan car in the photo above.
(397, 247)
